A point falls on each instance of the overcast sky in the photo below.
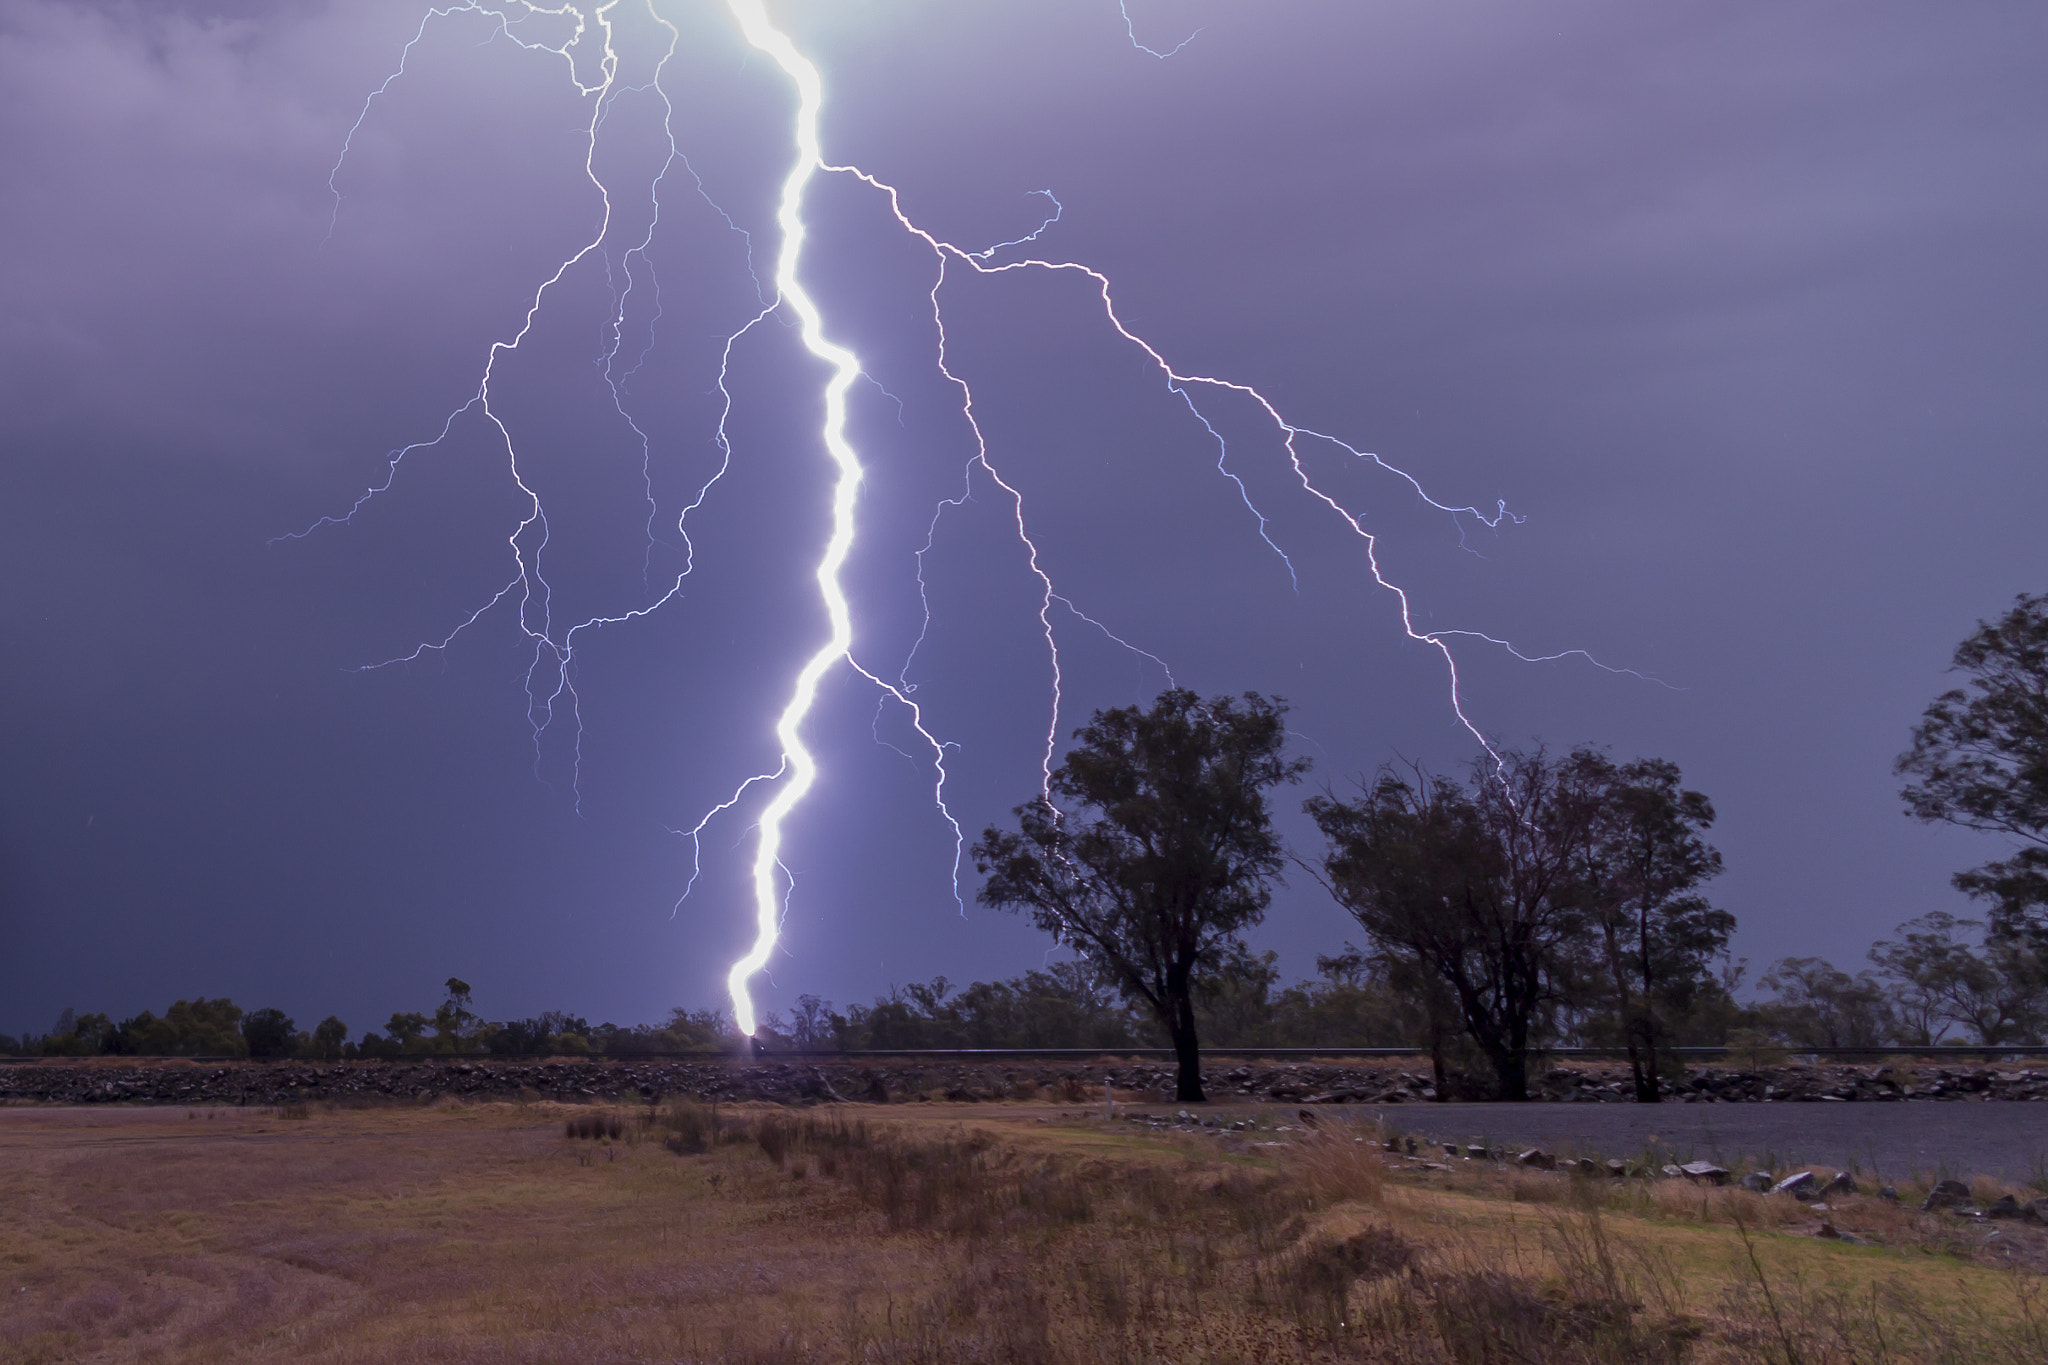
(1740, 307)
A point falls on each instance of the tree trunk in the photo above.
(1510, 1059)
(1647, 1091)
(1188, 1088)
(1511, 1069)
(1642, 1062)
(1505, 1043)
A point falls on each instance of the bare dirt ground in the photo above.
(929, 1233)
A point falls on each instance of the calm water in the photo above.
(2008, 1140)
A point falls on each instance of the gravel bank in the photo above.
(169, 1081)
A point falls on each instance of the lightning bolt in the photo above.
(550, 684)
(1131, 28)
(800, 768)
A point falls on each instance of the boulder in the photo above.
(1705, 1171)
(1946, 1194)
(1538, 1158)
(1616, 1167)
(1757, 1182)
(2005, 1206)
(1800, 1185)
(1843, 1183)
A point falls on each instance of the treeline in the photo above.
(221, 1028)
(189, 1028)
(1933, 986)
(1937, 983)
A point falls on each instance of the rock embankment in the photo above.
(883, 1081)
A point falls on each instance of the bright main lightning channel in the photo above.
(802, 768)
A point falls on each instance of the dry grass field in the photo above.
(927, 1233)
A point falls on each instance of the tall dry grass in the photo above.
(739, 1236)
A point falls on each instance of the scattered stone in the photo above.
(2035, 1210)
(1704, 1170)
(1673, 1172)
(2004, 1207)
(1757, 1182)
(1889, 1193)
(1538, 1158)
(1800, 1185)
(1616, 1167)
(1835, 1234)
(1585, 1165)
(1946, 1194)
(1843, 1183)
(1475, 1152)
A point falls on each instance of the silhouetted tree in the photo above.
(405, 1027)
(330, 1035)
(810, 1023)
(80, 1035)
(1979, 759)
(454, 1020)
(205, 1028)
(1479, 887)
(1820, 1005)
(1657, 938)
(1160, 851)
(268, 1034)
(1939, 979)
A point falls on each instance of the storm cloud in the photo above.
(1740, 307)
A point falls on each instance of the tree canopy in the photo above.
(1656, 937)
(1979, 759)
(1474, 886)
(1153, 849)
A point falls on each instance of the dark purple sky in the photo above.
(1743, 306)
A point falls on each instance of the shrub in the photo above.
(1315, 1286)
(269, 1034)
(330, 1039)
(593, 1126)
(692, 1129)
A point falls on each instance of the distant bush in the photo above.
(330, 1037)
(85, 1035)
(269, 1034)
